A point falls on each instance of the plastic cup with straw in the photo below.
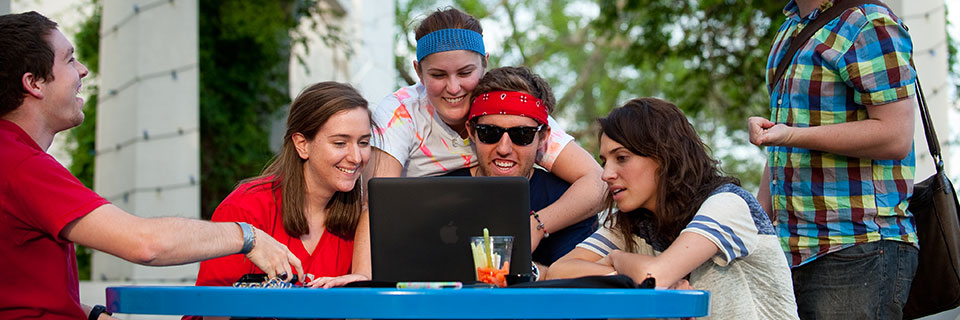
(488, 247)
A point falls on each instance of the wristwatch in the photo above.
(96, 311)
(249, 240)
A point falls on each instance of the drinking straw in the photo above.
(488, 247)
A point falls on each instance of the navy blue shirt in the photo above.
(546, 188)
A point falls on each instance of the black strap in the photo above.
(932, 142)
(96, 311)
(822, 19)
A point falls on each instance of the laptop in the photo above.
(420, 228)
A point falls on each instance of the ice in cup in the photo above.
(491, 258)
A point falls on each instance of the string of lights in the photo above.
(135, 10)
(925, 15)
(936, 90)
(932, 50)
(172, 73)
(125, 195)
(146, 136)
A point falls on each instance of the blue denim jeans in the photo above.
(866, 281)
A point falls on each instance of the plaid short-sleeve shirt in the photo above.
(827, 202)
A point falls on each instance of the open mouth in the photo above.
(348, 171)
(615, 191)
(504, 164)
(454, 100)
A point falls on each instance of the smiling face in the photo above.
(449, 77)
(62, 108)
(338, 152)
(505, 158)
(631, 178)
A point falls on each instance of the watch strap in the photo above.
(96, 311)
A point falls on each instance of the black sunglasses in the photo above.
(491, 134)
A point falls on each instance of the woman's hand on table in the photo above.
(330, 282)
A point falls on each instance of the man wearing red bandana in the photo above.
(508, 126)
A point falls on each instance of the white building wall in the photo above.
(147, 123)
(927, 23)
(364, 59)
(4, 6)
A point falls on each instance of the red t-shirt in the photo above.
(260, 207)
(38, 197)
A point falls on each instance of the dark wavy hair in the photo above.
(657, 129)
(23, 38)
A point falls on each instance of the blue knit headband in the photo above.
(449, 39)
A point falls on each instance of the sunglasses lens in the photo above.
(489, 134)
(520, 136)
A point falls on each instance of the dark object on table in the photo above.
(513, 279)
(617, 281)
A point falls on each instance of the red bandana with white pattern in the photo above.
(508, 102)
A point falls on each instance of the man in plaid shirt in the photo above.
(840, 161)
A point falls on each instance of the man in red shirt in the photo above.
(44, 209)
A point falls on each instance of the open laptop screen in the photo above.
(420, 228)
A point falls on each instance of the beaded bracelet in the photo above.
(540, 224)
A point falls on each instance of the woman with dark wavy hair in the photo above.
(680, 218)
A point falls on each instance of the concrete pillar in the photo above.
(927, 22)
(148, 121)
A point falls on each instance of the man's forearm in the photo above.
(175, 240)
(182, 240)
(582, 200)
(153, 241)
(886, 135)
(859, 139)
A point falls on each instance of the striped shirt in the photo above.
(748, 277)
(827, 202)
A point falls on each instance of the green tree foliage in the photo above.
(244, 78)
(82, 139)
(706, 56)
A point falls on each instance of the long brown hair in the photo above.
(308, 113)
(657, 129)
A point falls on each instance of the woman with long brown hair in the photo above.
(309, 197)
(679, 217)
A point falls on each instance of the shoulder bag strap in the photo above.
(932, 142)
(835, 11)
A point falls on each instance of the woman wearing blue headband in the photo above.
(423, 125)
